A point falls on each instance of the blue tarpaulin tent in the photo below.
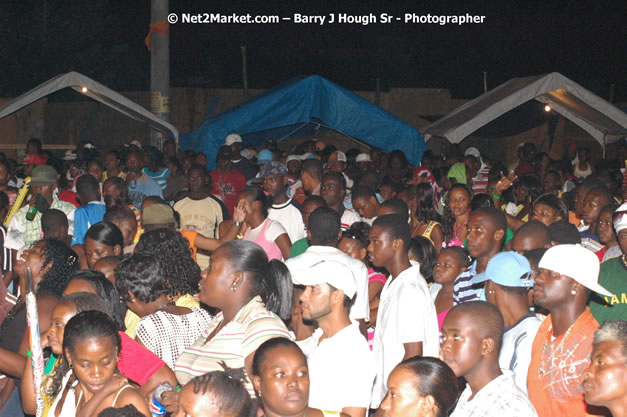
(297, 107)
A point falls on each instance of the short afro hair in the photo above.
(396, 226)
(324, 226)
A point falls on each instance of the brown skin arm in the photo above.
(412, 349)
(131, 396)
(285, 245)
(513, 223)
(163, 374)
(209, 244)
(437, 237)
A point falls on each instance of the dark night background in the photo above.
(104, 39)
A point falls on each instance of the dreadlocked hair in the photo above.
(63, 262)
(173, 254)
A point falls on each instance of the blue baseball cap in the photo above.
(264, 156)
(508, 269)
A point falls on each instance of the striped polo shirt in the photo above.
(252, 326)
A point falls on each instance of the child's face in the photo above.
(387, 192)
(447, 268)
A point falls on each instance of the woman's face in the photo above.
(283, 381)
(459, 201)
(606, 227)
(197, 405)
(247, 204)
(217, 280)
(61, 314)
(33, 259)
(353, 249)
(402, 399)
(95, 250)
(93, 361)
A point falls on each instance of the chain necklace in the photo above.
(169, 303)
(546, 366)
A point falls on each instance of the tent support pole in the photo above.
(244, 73)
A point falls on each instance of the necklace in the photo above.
(169, 303)
(551, 353)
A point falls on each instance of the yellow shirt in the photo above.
(131, 320)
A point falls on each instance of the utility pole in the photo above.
(159, 67)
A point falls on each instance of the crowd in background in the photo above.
(314, 282)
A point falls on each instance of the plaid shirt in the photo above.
(499, 398)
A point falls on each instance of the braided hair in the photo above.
(63, 262)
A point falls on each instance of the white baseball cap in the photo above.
(292, 158)
(232, 138)
(363, 157)
(473, 152)
(576, 262)
(330, 272)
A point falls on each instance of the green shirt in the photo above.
(299, 247)
(613, 277)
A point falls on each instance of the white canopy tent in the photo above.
(94, 90)
(599, 118)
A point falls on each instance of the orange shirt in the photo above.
(573, 218)
(555, 378)
(190, 235)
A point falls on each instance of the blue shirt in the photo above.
(141, 188)
(85, 217)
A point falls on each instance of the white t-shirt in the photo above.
(273, 231)
(406, 315)
(515, 354)
(348, 218)
(341, 369)
(314, 254)
(290, 218)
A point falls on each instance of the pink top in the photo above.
(374, 276)
(441, 318)
(272, 249)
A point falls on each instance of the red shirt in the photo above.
(227, 185)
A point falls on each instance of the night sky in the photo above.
(586, 41)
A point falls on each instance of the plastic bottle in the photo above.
(156, 408)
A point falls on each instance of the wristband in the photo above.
(28, 353)
(496, 197)
(239, 236)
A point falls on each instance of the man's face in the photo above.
(550, 182)
(545, 214)
(622, 240)
(332, 191)
(274, 185)
(365, 207)
(551, 289)
(592, 205)
(310, 208)
(4, 175)
(316, 301)
(461, 346)
(335, 165)
(606, 228)
(169, 149)
(524, 243)
(111, 162)
(481, 235)
(134, 163)
(197, 181)
(580, 195)
(293, 167)
(381, 248)
(605, 380)
(95, 171)
(110, 194)
(45, 191)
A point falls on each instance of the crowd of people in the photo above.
(314, 282)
